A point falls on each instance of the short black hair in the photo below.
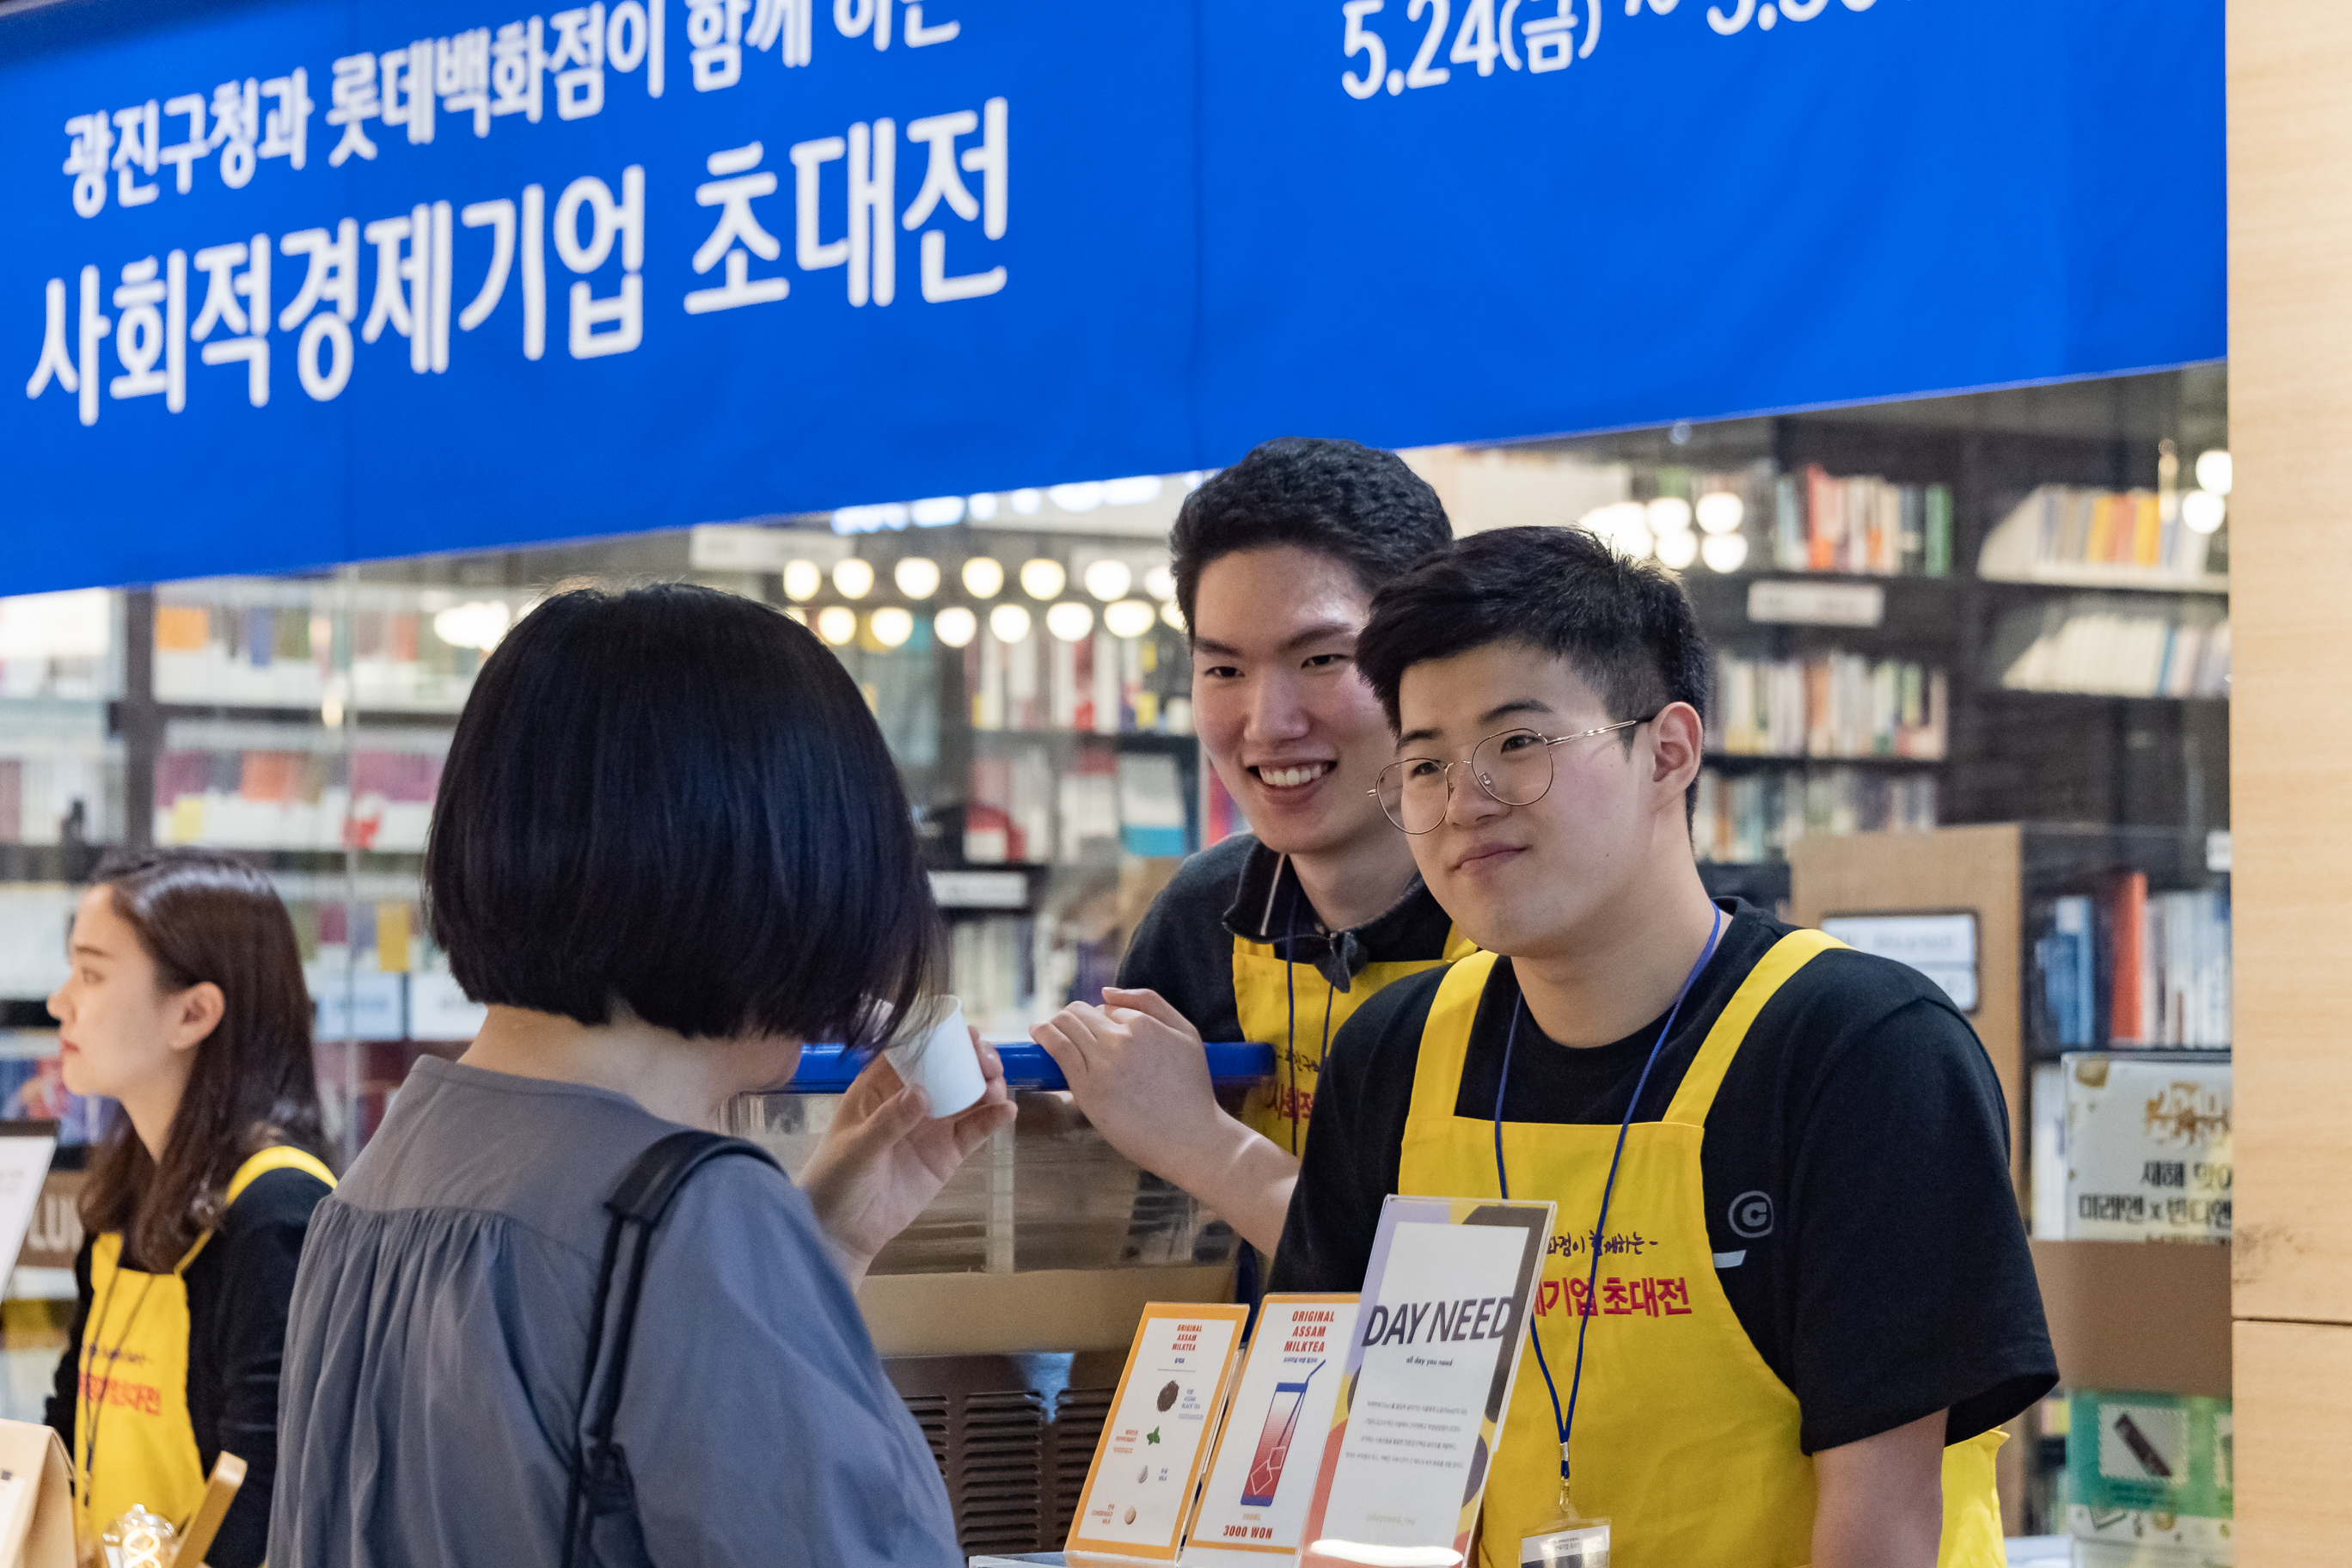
(675, 800)
(1624, 627)
(1357, 504)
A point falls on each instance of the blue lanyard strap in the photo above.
(1565, 1420)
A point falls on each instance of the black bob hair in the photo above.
(1357, 504)
(674, 801)
(1624, 627)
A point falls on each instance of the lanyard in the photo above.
(1290, 999)
(1600, 1227)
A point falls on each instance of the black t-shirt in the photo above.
(238, 1289)
(1884, 1273)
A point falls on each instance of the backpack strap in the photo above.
(641, 1199)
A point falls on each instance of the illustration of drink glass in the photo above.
(1273, 1442)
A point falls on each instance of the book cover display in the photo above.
(1263, 1476)
(1440, 1329)
(1139, 1489)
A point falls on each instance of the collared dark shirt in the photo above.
(1184, 948)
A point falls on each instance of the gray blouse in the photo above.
(429, 1398)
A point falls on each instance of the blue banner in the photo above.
(296, 281)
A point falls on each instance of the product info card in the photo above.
(1163, 1418)
(1437, 1337)
(1271, 1449)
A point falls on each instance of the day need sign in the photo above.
(294, 281)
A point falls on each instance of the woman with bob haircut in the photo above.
(184, 1003)
(670, 845)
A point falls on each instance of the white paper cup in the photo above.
(943, 1060)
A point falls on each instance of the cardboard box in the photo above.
(2126, 1314)
(2152, 1470)
(2148, 1148)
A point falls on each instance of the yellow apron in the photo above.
(135, 1441)
(1264, 987)
(1684, 1439)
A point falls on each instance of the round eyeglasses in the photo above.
(1513, 767)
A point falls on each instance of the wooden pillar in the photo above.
(2290, 117)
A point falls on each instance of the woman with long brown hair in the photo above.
(186, 1005)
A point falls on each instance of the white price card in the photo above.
(1271, 1450)
(1439, 1330)
(24, 1151)
(1163, 1418)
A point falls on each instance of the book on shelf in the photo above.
(2128, 967)
(1098, 684)
(1747, 818)
(379, 796)
(58, 795)
(2109, 647)
(1101, 803)
(1862, 525)
(2067, 533)
(1831, 705)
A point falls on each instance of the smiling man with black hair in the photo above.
(1788, 1300)
(1280, 934)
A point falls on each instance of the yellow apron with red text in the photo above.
(135, 1442)
(1293, 1008)
(1684, 1439)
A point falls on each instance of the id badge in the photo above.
(1584, 1545)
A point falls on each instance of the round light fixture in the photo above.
(1071, 620)
(1043, 578)
(853, 577)
(1725, 551)
(1107, 580)
(955, 626)
(2202, 510)
(982, 506)
(1668, 514)
(1027, 501)
(1129, 617)
(1677, 550)
(891, 626)
(1720, 511)
(794, 613)
(837, 624)
(802, 580)
(917, 577)
(1160, 583)
(1174, 615)
(2214, 471)
(1008, 623)
(477, 625)
(983, 578)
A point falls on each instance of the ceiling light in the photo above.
(1173, 613)
(1107, 580)
(891, 626)
(1027, 501)
(1129, 617)
(1725, 551)
(1668, 514)
(802, 580)
(982, 506)
(1721, 513)
(1070, 620)
(1678, 549)
(1160, 583)
(2215, 472)
(955, 626)
(1077, 497)
(479, 625)
(1043, 578)
(794, 613)
(917, 577)
(854, 577)
(837, 624)
(1131, 492)
(938, 511)
(982, 577)
(1008, 623)
(2202, 510)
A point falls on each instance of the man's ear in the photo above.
(195, 1014)
(1678, 748)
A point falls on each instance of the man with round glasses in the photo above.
(1278, 934)
(1789, 1301)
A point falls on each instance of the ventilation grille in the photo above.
(1011, 1440)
